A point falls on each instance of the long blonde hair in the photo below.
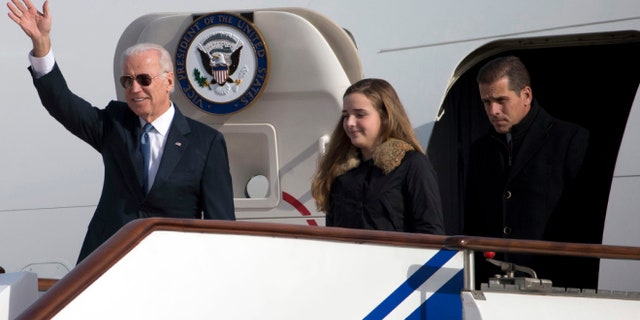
(394, 124)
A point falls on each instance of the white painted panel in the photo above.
(172, 275)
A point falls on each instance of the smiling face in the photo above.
(148, 102)
(361, 122)
(504, 107)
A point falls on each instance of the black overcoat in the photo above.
(527, 191)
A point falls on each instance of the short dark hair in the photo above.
(510, 67)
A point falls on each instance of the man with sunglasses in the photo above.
(177, 168)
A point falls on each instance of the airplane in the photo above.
(581, 56)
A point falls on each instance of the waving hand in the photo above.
(37, 25)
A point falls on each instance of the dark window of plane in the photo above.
(593, 85)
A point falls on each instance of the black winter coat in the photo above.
(395, 191)
(528, 193)
(514, 194)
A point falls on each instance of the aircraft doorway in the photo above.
(588, 79)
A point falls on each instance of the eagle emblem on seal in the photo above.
(220, 57)
(222, 63)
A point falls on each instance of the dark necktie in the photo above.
(145, 149)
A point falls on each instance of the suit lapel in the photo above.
(131, 165)
(134, 151)
(533, 142)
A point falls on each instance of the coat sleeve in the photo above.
(423, 202)
(577, 201)
(217, 190)
(577, 151)
(74, 113)
(328, 222)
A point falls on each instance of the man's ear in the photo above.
(171, 82)
(527, 94)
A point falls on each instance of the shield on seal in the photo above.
(220, 73)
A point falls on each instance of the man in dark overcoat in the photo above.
(522, 172)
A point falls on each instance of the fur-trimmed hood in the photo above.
(387, 156)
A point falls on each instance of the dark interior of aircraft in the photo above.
(592, 83)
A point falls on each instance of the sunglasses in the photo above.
(142, 79)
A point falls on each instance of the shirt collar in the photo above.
(163, 122)
(523, 126)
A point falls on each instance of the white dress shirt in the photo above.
(42, 66)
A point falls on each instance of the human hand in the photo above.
(37, 25)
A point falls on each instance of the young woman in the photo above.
(374, 174)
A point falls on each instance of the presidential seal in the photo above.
(222, 63)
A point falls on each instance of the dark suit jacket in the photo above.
(193, 180)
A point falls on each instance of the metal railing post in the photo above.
(469, 270)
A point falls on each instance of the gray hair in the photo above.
(166, 63)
